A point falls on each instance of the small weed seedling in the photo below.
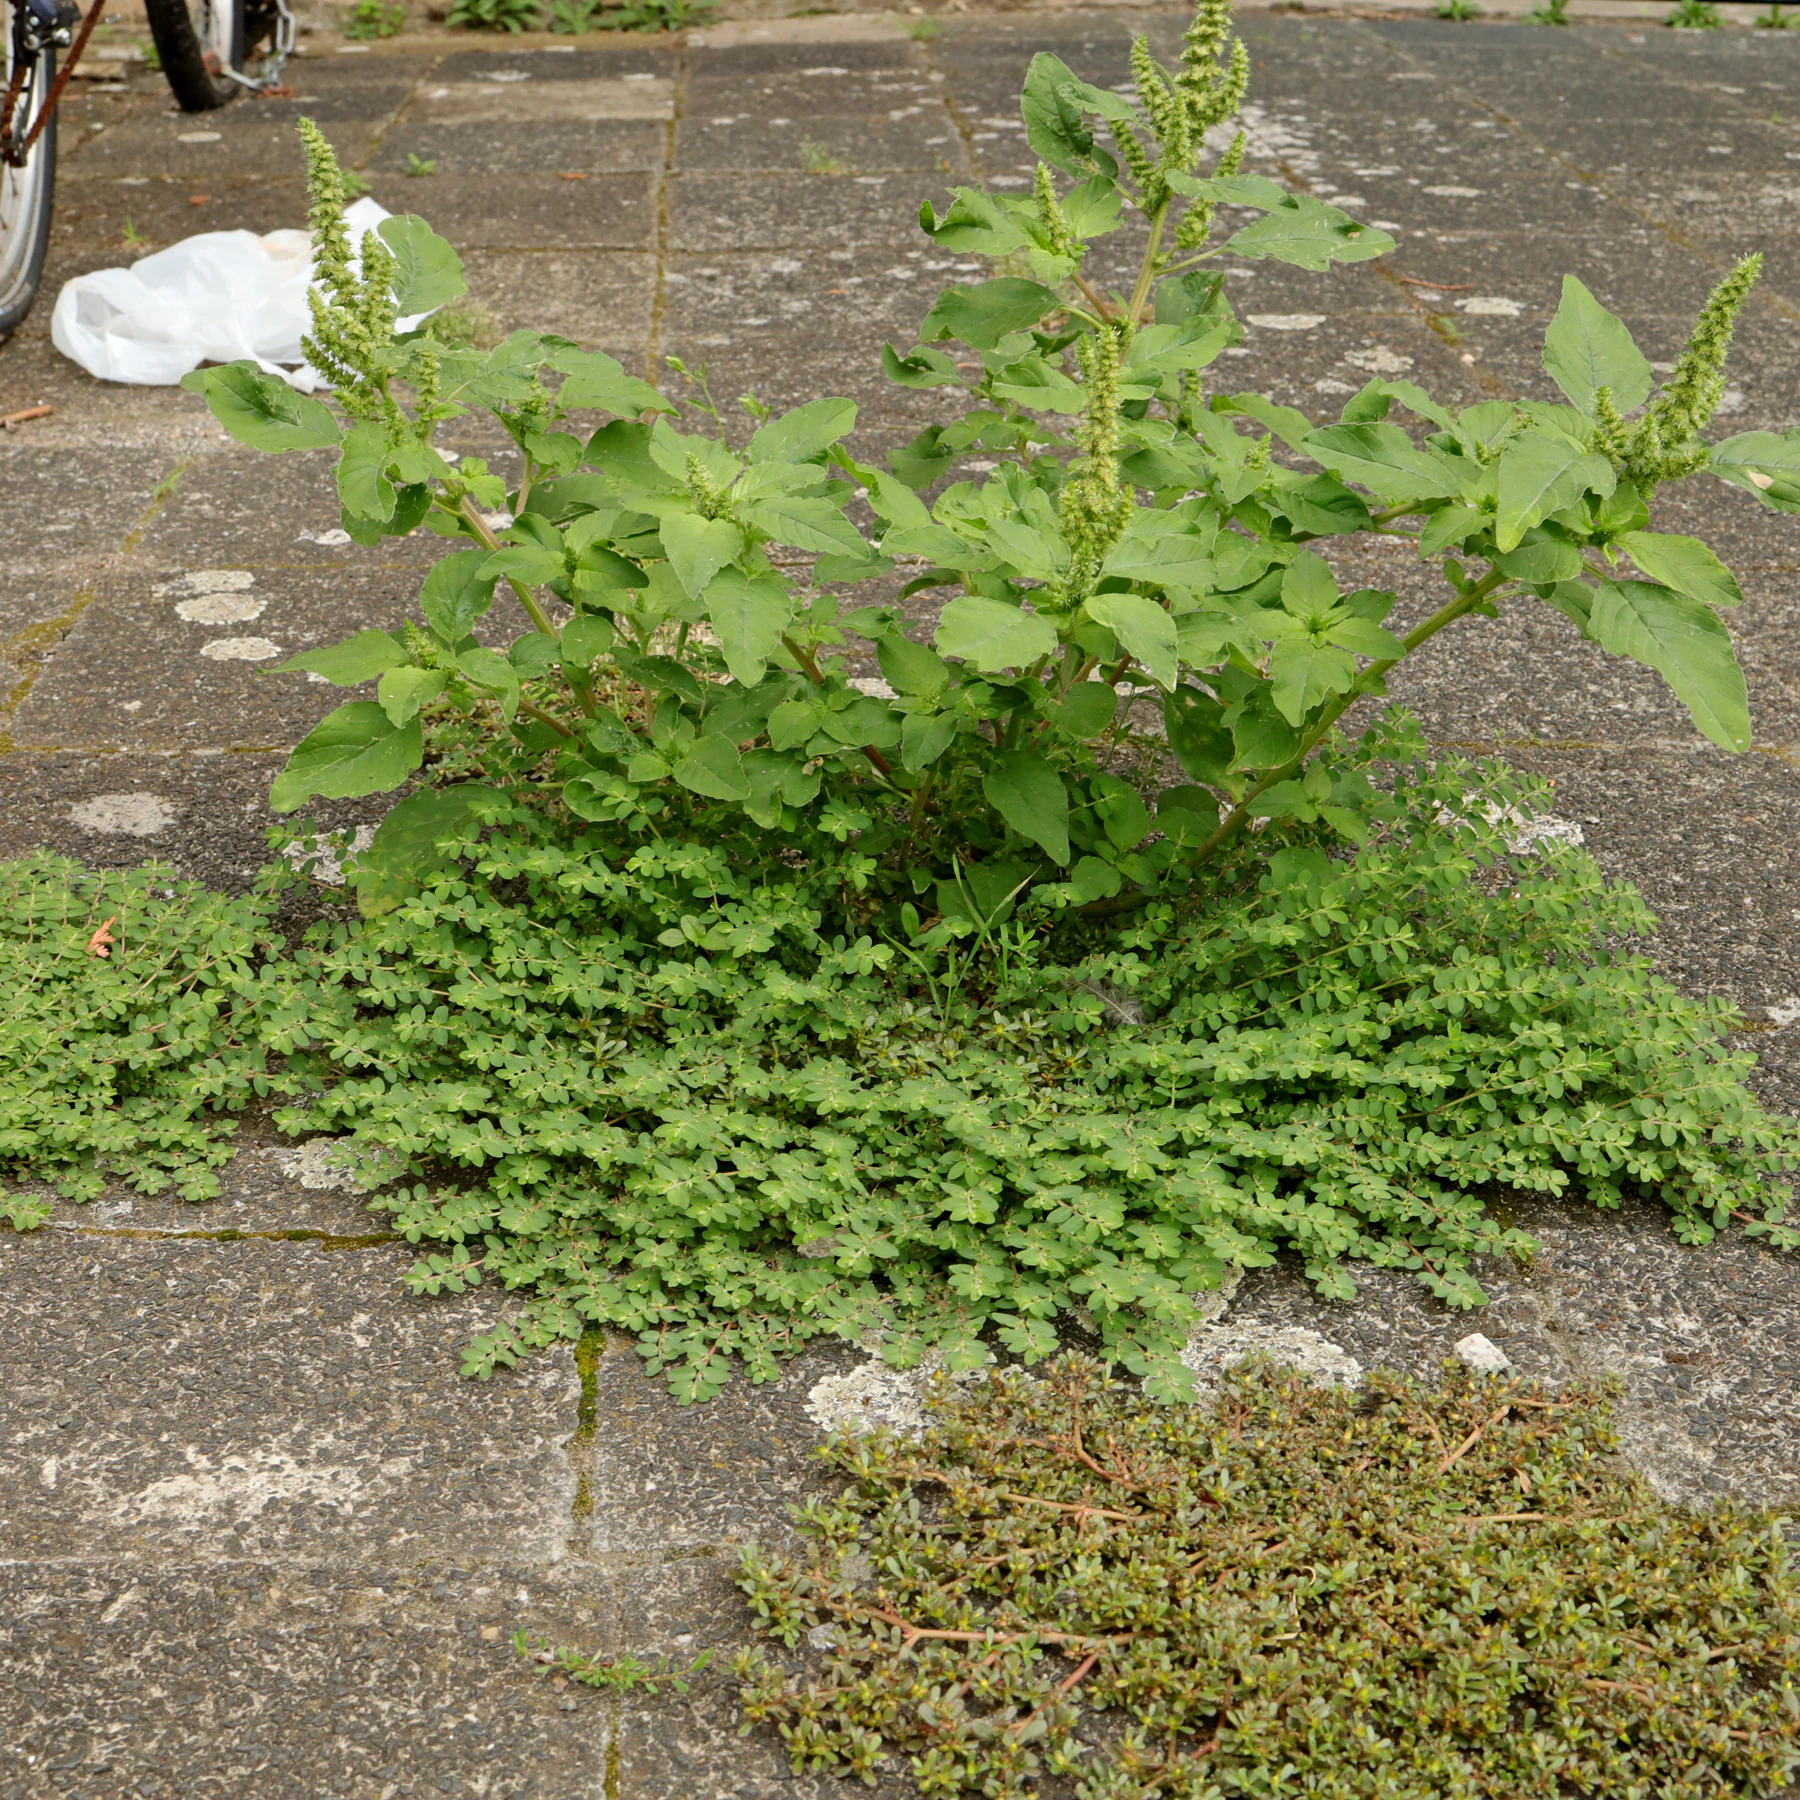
(658, 15)
(375, 19)
(1695, 15)
(419, 165)
(495, 15)
(1549, 12)
(820, 159)
(625, 1673)
(1775, 19)
(922, 31)
(574, 18)
(1459, 10)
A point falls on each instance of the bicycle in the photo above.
(211, 50)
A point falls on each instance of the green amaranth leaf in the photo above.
(1308, 588)
(262, 410)
(1310, 235)
(921, 367)
(1054, 126)
(711, 766)
(404, 691)
(489, 669)
(911, 668)
(1539, 475)
(698, 548)
(1684, 641)
(1302, 673)
(594, 381)
(1144, 629)
(806, 522)
(456, 593)
(404, 851)
(531, 564)
(362, 481)
(1767, 463)
(976, 224)
(1383, 459)
(806, 432)
(1172, 559)
(982, 315)
(354, 751)
(1029, 795)
(1683, 563)
(749, 612)
(352, 662)
(993, 635)
(427, 271)
(1586, 348)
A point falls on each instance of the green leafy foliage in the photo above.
(1405, 1593)
(1136, 575)
(626, 1673)
(656, 15)
(655, 1056)
(124, 1042)
(1134, 534)
(495, 15)
(375, 19)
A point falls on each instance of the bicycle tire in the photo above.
(197, 41)
(26, 197)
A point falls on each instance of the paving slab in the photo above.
(500, 151)
(282, 1547)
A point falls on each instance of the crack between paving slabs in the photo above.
(379, 137)
(326, 1240)
(1606, 746)
(940, 79)
(665, 176)
(30, 650)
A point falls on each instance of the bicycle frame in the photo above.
(45, 22)
(41, 23)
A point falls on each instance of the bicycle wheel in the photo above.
(198, 40)
(25, 192)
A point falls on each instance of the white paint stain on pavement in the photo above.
(1378, 359)
(220, 609)
(129, 815)
(332, 1164)
(245, 1485)
(243, 649)
(1213, 1349)
(875, 1395)
(323, 856)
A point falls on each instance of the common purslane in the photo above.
(1451, 1591)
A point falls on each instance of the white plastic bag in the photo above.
(218, 297)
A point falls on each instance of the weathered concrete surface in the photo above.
(259, 1537)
